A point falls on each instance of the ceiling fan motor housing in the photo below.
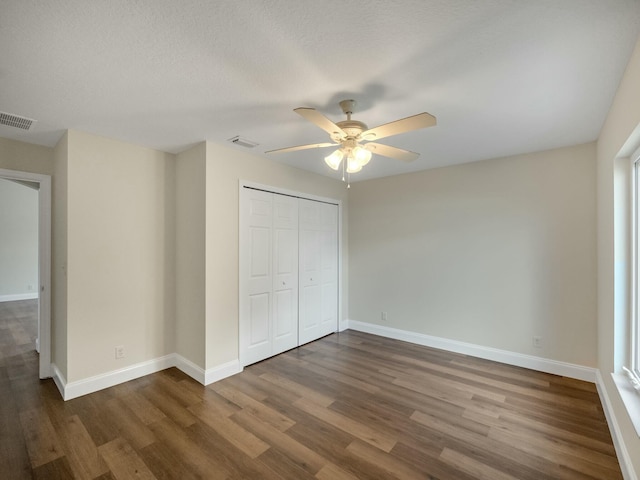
(352, 128)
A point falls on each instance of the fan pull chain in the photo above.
(343, 171)
(348, 180)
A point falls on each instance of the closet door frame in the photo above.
(242, 184)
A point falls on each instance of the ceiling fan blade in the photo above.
(416, 122)
(321, 121)
(303, 147)
(392, 152)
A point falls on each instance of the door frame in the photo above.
(44, 262)
(292, 193)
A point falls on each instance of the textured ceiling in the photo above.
(502, 76)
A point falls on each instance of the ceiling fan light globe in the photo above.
(334, 159)
(352, 165)
(361, 155)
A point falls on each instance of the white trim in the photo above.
(187, 366)
(59, 379)
(630, 398)
(211, 375)
(220, 372)
(624, 458)
(44, 262)
(293, 193)
(18, 296)
(503, 356)
(115, 377)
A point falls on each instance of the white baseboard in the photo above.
(503, 356)
(18, 296)
(187, 366)
(115, 377)
(70, 390)
(58, 379)
(618, 442)
(222, 371)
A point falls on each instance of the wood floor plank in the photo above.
(82, 453)
(333, 472)
(350, 405)
(178, 440)
(242, 439)
(395, 468)
(477, 469)
(364, 432)
(288, 446)
(123, 461)
(455, 437)
(143, 408)
(168, 406)
(58, 469)
(586, 406)
(298, 389)
(260, 410)
(129, 426)
(14, 456)
(42, 441)
(596, 465)
(227, 456)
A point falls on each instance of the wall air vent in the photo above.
(12, 120)
(243, 142)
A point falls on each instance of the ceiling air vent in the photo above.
(12, 120)
(243, 142)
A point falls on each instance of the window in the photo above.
(633, 366)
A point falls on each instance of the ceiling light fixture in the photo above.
(348, 134)
(356, 158)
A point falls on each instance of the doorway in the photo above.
(43, 287)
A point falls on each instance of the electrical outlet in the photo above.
(383, 316)
(537, 342)
(120, 351)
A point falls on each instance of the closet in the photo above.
(288, 272)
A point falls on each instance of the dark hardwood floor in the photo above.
(349, 406)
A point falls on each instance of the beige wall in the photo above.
(225, 167)
(619, 136)
(491, 253)
(25, 157)
(18, 239)
(59, 256)
(120, 254)
(190, 254)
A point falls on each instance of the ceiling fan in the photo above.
(354, 139)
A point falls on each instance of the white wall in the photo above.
(120, 254)
(18, 240)
(619, 136)
(490, 253)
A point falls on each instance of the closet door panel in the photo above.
(259, 319)
(285, 279)
(318, 270)
(256, 270)
(329, 275)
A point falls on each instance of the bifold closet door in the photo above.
(318, 259)
(269, 275)
(285, 273)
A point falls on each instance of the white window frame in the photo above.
(634, 327)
